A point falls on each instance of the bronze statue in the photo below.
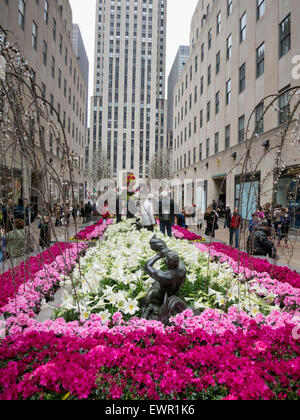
(162, 301)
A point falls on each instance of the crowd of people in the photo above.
(16, 221)
(267, 228)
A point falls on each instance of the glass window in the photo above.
(243, 27)
(242, 129)
(228, 92)
(284, 108)
(229, 47)
(260, 60)
(242, 78)
(285, 36)
(21, 14)
(229, 7)
(259, 119)
(227, 137)
(261, 8)
(34, 35)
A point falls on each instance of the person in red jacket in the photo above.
(235, 223)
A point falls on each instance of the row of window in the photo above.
(283, 116)
(284, 48)
(34, 38)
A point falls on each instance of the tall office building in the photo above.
(82, 58)
(176, 70)
(128, 106)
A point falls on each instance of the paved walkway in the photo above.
(287, 257)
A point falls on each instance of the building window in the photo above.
(229, 7)
(285, 36)
(54, 30)
(219, 20)
(45, 49)
(259, 119)
(202, 53)
(21, 14)
(209, 38)
(52, 67)
(217, 137)
(261, 8)
(200, 151)
(242, 78)
(217, 102)
(46, 11)
(207, 148)
(202, 86)
(243, 27)
(242, 129)
(218, 62)
(227, 137)
(229, 47)
(201, 118)
(284, 108)
(209, 75)
(260, 60)
(228, 92)
(34, 35)
(208, 112)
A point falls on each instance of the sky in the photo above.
(179, 17)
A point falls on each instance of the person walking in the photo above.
(166, 214)
(284, 227)
(8, 216)
(88, 212)
(45, 232)
(147, 212)
(227, 217)
(15, 241)
(234, 228)
(105, 212)
(211, 217)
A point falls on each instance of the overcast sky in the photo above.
(178, 24)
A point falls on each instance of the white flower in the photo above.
(105, 316)
(131, 307)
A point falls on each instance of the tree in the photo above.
(160, 166)
(98, 169)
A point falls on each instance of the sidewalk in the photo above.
(287, 257)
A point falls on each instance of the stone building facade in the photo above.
(240, 53)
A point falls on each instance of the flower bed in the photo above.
(93, 232)
(41, 285)
(282, 274)
(181, 233)
(111, 278)
(12, 279)
(179, 362)
(242, 346)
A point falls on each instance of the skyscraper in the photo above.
(176, 70)
(128, 106)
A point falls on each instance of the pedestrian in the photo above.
(268, 214)
(258, 242)
(15, 240)
(88, 212)
(254, 223)
(181, 219)
(19, 210)
(211, 217)
(147, 212)
(8, 215)
(105, 212)
(284, 227)
(82, 211)
(214, 205)
(166, 213)
(234, 228)
(45, 230)
(277, 220)
(227, 216)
